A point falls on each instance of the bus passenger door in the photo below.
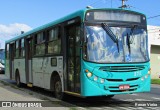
(73, 57)
(11, 63)
(29, 60)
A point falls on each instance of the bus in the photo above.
(91, 52)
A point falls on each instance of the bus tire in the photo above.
(18, 82)
(58, 88)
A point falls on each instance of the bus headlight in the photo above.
(89, 74)
(95, 78)
(102, 80)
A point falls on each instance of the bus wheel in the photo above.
(58, 88)
(18, 82)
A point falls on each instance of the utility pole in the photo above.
(123, 4)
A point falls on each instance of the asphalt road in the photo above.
(138, 101)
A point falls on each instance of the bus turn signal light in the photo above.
(86, 71)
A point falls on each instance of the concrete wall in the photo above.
(154, 50)
(155, 61)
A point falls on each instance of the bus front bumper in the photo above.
(93, 88)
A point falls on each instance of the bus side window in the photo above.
(40, 44)
(54, 41)
(78, 41)
(21, 48)
(7, 52)
(17, 49)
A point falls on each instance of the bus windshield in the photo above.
(130, 45)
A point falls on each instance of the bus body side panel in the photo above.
(7, 68)
(19, 64)
(38, 71)
(53, 64)
(43, 67)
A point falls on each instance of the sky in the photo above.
(24, 15)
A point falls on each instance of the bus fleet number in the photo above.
(137, 74)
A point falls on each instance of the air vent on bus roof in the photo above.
(121, 68)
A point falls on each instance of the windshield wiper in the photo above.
(128, 43)
(131, 33)
(111, 34)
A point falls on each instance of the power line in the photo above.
(98, 3)
(95, 2)
(153, 17)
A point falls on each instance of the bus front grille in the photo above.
(121, 68)
(115, 80)
(132, 79)
(122, 90)
(121, 80)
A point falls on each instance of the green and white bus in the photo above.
(92, 52)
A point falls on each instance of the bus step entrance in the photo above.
(29, 85)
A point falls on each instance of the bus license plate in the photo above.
(124, 87)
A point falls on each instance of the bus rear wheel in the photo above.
(18, 82)
(58, 88)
